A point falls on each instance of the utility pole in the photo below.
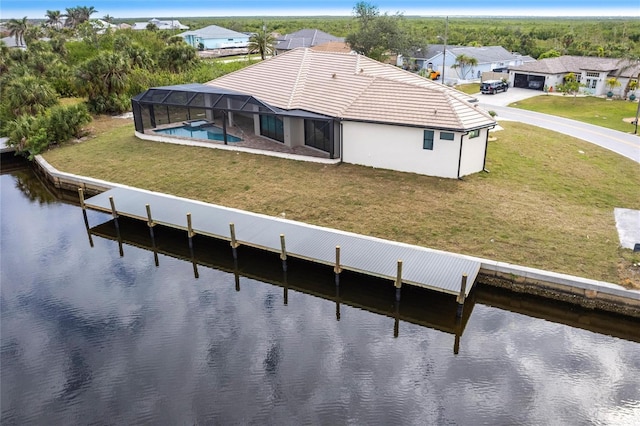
(444, 50)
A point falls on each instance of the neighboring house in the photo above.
(354, 108)
(11, 43)
(215, 37)
(172, 24)
(591, 72)
(333, 46)
(304, 38)
(489, 58)
(101, 26)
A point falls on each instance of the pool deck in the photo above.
(250, 143)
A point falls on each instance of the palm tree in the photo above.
(262, 42)
(54, 18)
(464, 64)
(108, 18)
(73, 17)
(86, 12)
(17, 28)
(28, 95)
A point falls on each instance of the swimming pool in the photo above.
(210, 132)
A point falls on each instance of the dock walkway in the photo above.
(422, 267)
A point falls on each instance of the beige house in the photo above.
(591, 72)
(346, 105)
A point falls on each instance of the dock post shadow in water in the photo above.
(236, 274)
(84, 216)
(190, 235)
(461, 296)
(337, 269)
(151, 224)
(396, 319)
(285, 284)
(399, 280)
(283, 253)
(458, 334)
(234, 242)
(114, 213)
(337, 303)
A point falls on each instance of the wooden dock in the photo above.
(402, 263)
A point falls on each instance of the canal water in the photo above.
(107, 327)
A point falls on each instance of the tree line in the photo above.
(104, 67)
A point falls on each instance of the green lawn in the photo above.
(470, 89)
(545, 205)
(590, 109)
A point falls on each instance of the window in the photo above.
(272, 127)
(427, 143)
(447, 136)
(317, 134)
(474, 133)
(593, 84)
(593, 74)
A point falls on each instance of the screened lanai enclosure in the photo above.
(197, 111)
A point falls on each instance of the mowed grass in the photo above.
(543, 204)
(589, 109)
(469, 89)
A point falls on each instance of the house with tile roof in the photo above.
(161, 24)
(438, 58)
(346, 105)
(304, 38)
(591, 72)
(215, 37)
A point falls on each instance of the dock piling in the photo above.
(234, 242)
(114, 213)
(399, 280)
(190, 232)
(461, 296)
(150, 223)
(283, 253)
(81, 196)
(337, 269)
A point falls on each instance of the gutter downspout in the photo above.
(341, 143)
(460, 154)
(486, 148)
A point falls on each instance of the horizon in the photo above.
(130, 9)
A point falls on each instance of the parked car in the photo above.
(493, 86)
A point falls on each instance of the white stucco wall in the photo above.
(473, 153)
(401, 148)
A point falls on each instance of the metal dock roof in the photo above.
(423, 267)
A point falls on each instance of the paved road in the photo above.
(622, 143)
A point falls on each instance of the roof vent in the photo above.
(333, 75)
(435, 111)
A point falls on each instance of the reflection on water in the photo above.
(90, 336)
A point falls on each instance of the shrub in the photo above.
(32, 135)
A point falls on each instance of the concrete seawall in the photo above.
(584, 292)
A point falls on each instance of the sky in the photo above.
(36, 9)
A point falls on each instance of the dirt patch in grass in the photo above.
(547, 202)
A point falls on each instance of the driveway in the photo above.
(622, 143)
(514, 94)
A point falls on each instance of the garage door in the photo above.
(526, 81)
(520, 80)
(536, 82)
